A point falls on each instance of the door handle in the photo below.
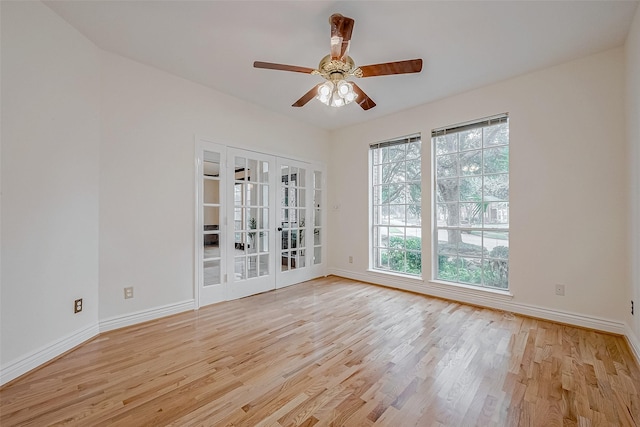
(279, 228)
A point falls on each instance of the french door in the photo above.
(299, 221)
(252, 213)
(259, 222)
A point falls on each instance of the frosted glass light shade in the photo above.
(336, 94)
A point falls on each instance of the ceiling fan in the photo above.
(336, 67)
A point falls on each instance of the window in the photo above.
(472, 203)
(396, 199)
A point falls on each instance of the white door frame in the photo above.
(226, 226)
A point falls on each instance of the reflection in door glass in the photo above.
(252, 170)
(252, 266)
(211, 191)
(264, 265)
(239, 269)
(211, 272)
(301, 258)
(264, 191)
(264, 220)
(240, 168)
(264, 171)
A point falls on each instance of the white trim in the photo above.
(197, 229)
(497, 301)
(117, 322)
(49, 352)
(634, 343)
(483, 291)
(242, 145)
(37, 358)
(395, 274)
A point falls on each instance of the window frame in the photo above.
(376, 221)
(485, 260)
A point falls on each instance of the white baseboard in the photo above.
(49, 352)
(46, 353)
(117, 322)
(634, 343)
(482, 298)
(21, 366)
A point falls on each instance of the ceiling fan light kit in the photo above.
(336, 95)
(336, 67)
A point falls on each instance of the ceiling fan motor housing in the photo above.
(335, 69)
(338, 66)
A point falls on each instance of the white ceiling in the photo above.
(464, 45)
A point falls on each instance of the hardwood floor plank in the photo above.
(333, 352)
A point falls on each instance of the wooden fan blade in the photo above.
(282, 67)
(363, 99)
(341, 30)
(307, 97)
(387, 68)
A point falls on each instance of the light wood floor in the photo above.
(335, 352)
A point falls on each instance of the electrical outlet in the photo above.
(560, 290)
(128, 292)
(77, 306)
(350, 259)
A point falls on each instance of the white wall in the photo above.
(50, 154)
(147, 176)
(632, 48)
(98, 182)
(568, 185)
(97, 179)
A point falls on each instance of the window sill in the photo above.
(394, 274)
(499, 294)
